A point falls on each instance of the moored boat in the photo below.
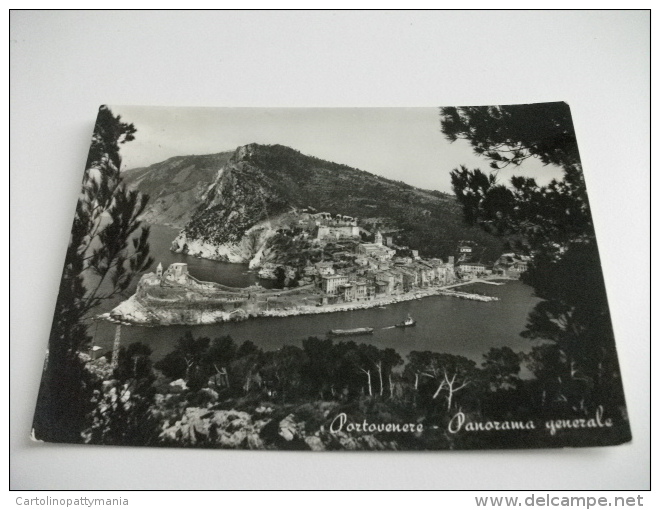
(351, 332)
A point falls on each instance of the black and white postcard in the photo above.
(333, 279)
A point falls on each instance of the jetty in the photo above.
(474, 280)
(467, 295)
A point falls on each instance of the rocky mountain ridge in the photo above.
(235, 215)
(175, 186)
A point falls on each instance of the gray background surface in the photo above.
(65, 64)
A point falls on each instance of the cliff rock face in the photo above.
(236, 216)
(251, 247)
(132, 311)
(199, 426)
(225, 429)
(259, 187)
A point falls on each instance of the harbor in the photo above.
(174, 296)
(452, 317)
(459, 326)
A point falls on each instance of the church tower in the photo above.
(378, 238)
(159, 270)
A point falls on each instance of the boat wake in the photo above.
(389, 327)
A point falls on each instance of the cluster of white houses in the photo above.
(509, 264)
(375, 270)
(356, 271)
(396, 275)
(328, 227)
(398, 278)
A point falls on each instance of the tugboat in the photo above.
(406, 323)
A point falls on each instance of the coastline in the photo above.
(375, 303)
(133, 313)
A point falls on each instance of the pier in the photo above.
(476, 280)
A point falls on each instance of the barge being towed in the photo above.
(351, 332)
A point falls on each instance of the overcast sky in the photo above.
(405, 144)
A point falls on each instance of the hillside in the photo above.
(258, 184)
(175, 186)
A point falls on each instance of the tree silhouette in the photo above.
(103, 256)
(318, 371)
(280, 278)
(284, 369)
(189, 361)
(501, 366)
(454, 374)
(510, 134)
(554, 222)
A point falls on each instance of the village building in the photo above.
(321, 216)
(335, 233)
(309, 270)
(176, 273)
(382, 288)
(347, 291)
(330, 284)
(361, 290)
(393, 281)
(425, 272)
(471, 269)
(409, 278)
(376, 249)
(324, 268)
(511, 264)
(464, 252)
(443, 273)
